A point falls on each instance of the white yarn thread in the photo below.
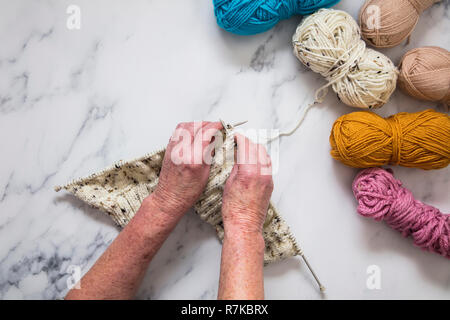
(329, 43)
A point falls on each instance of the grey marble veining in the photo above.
(75, 101)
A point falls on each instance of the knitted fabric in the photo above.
(120, 189)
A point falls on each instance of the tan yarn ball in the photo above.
(386, 23)
(329, 42)
(425, 74)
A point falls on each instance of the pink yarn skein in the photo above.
(382, 197)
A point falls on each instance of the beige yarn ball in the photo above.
(425, 74)
(386, 23)
(329, 43)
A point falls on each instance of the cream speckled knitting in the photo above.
(120, 189)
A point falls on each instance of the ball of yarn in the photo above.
(246, 17)
(382, 197)
(425, 74)
(418, 140)
(329, 42)
(386, 23)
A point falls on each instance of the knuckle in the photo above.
(184, 125)
(253, 176)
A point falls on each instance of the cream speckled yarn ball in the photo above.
(329, 42)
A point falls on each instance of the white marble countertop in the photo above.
(75, 101)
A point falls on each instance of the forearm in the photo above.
(241, 270)
(119, 271)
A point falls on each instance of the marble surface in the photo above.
(75, 101)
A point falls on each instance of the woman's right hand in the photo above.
(248, 189)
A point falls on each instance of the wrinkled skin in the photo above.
(118, 273)
(248, 189)
(181, 184)
(245, 201)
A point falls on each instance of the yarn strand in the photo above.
(292, 131)
(329, 43)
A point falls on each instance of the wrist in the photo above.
(242, 230)
(165, 203)
(154, 207)
(242, 220)
(151, 220)
(245, 239)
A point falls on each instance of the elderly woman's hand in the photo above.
(186, 167)
(248, 189)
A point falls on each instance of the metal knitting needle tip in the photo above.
(240, 123)
(321, 287)
(224, 125)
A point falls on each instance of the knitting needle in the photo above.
(240, 123)
(321, 287)
(227, 126)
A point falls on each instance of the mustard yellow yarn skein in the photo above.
(418, 140)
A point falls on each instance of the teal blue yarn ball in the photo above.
(246, 17)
